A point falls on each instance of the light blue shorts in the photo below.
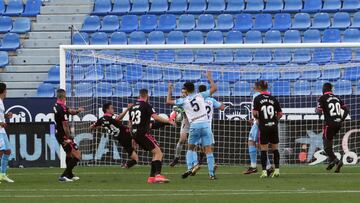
(4, 142)
(200, 133)
(254, 132)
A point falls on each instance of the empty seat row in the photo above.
(17, 8)
(20, 25)
(10, 42)
(103, 7)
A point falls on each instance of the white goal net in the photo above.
(95, 74)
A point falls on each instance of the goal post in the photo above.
(94, 74)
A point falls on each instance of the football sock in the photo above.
(158, 166)
(263, 159)
(276, 158)
(178, 149)
(153, 169)
(328, 148)
(195, 158)
(4, 163)
(268, 164)
(189, 159)
(210, 162)
(252, 153)
(131, 163)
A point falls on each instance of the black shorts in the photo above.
(67, 143)
(330, 131)
(268, 135)
(146, 141)
(125, 140)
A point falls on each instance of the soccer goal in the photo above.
(95, 74)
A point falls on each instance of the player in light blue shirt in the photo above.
(194, 106)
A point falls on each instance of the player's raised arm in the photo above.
(123, 114)
(213, 87)
(169, 99)
(162, 120)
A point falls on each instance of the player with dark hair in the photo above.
(335, 112)
(267, 110)
(5, 149)
(118, 131)
(140, 121)
(63, 135)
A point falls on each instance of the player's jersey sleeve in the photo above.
(99, 122)
(215, 103)
(61, 114)
(256, 104)
(205, 94)
(179, 102)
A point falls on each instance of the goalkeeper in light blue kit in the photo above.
(252, 142)
(200, 127)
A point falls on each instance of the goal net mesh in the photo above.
(295, 77)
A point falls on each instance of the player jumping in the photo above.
(5, 150)
(267, 110)
(140, 118)
(118, 131)
(335, 112)
(63, 136)
(200, 128)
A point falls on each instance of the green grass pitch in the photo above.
(113, 184)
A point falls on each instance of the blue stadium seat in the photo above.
(282, 21)
(262, 56)
(243, 56)
(331, 5)
(32, 8)
(99, 38)
(123, 89)
(94, 73)
(139, 6)
(178, 6)
(302, 87)
(147, 55)
(281, 88)
(160, 89)
(205, 22)
(152, 74)
(2, 7)
(184, 56)
(148, 23)
(330, 74)
(321, 21)
(103, 89)
(215, 6)
(253, 37)
(263, 22)
(91, 24)
(250, 76)
(243, 22)
(270, 76)
(352, 73)
(175, 37)
(118, 38)
(45, 90)
(156, 37)
(85, 58)
(223, 89)
(113, 73)
(196, 6)
(292, 36)
(84, 90)
(204, 56)
(321, 56)
(192, 75)
(341, 20)
(293, 5)
(10, 42)
(14, 8)
(110, 23)
(301, 21)
(171, 74)
(195, 37)
(312, 6)
(272, 36)
(254, 6)
(78, 73)
(21, 25)
(301, 56)
(4, 58)
(224, 22)
(281, 56)
(5, 24)
(166, 56)
(351, 35)
(107, 60)
(223, 56)
(350, 5)
(167, 22)
(133, 72)
(234, 6)
(217, 76)
(102, 7)
(129, 23)
(234, 37)
(357, 90)
(355, 22)
(231, 77)
(316, 87)
(177, 89)
(121, 7)
(312, 36)
(142, 85)
(342, 87)
(241, 88)
(290, 75)
(274, 6)
(311, 75)
(186, 22)
(53, 75)
(331, 35)
(159, 6)
(342, 55)
(214, 37)
(80, 38)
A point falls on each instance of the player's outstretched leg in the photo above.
(179, 147)
(133, 161)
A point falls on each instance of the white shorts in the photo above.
(4, 142)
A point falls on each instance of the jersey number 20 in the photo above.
(335, 109)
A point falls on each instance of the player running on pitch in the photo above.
(117, 131)
(267, 110)
(140, 117)
(200, 128)
(335, 112)
(63, 136)
(5, 150)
